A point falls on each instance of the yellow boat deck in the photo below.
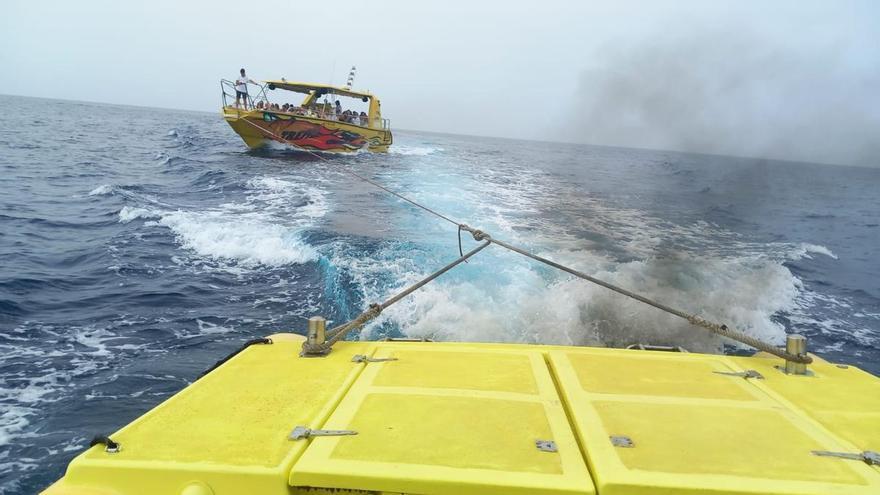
(457, 418)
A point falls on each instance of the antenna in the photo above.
(350, 77)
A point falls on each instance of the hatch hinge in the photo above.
(546, 445)
(622, 441)
(869, 457)
(742, 374)
(301, 432)
(361, 358)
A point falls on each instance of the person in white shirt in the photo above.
(241, 89)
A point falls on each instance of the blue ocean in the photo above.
(138, 246)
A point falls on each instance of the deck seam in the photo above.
(569, 416)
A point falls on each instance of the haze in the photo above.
(793, 80)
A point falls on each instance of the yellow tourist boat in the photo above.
(318, 123)
(404, 417)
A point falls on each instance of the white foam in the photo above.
(402, 149)
(101, 190)
(804, 250)
(248, 240)
(208, 328)
(128, 214)
(263, 230)
(698, 267)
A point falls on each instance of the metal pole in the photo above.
(317, 329)
(797, 345)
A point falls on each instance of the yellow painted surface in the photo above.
(228, 429)
(696, 431)
(851, 411)
(448, 418)
(427, 425)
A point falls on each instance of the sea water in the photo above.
(138, 246)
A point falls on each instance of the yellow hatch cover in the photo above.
(688, 424)
(449, 419)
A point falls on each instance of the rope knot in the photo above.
(375, 310)
(479, 235)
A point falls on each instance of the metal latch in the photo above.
(301, 432)
(622, 441)
(742, 374)
(361, 358)
(546, 445)
(869, 457)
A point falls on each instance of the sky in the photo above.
(794, 80)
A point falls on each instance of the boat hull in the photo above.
(258, 129)
(491, 419)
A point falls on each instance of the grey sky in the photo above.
(599, 72)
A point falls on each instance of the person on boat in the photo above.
(363, 118)
(241, 89)
(338, 109)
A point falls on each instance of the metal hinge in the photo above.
(301, 432)
(869, 457)
(546, 445)
(361, 358)
(742, 374)
(622, 441)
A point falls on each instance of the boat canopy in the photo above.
(309, 88)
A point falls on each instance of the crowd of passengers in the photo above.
(329, 112)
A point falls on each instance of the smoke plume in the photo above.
(733, 93)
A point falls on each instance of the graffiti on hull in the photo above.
(314, 136)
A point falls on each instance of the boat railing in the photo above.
(228, 93)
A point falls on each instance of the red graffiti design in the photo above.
(315, 136)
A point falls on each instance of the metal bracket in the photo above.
(546, 445)
(622, 441)
(869, 457)
(361, 358)
(783, 370)
(301, 432)
(742, 374)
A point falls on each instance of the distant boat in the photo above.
(318, 123)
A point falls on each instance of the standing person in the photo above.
(241, 90)
(338, 110)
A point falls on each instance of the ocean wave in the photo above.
(263, 230)
(501, 298)
(248, 240)
(128, 214)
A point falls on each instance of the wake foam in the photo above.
(101, 190)
(248, 240)
(402, 149)
(501, 297)
(263, 230)
(128, 214)
(510, 301)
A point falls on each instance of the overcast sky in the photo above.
(796, 80)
